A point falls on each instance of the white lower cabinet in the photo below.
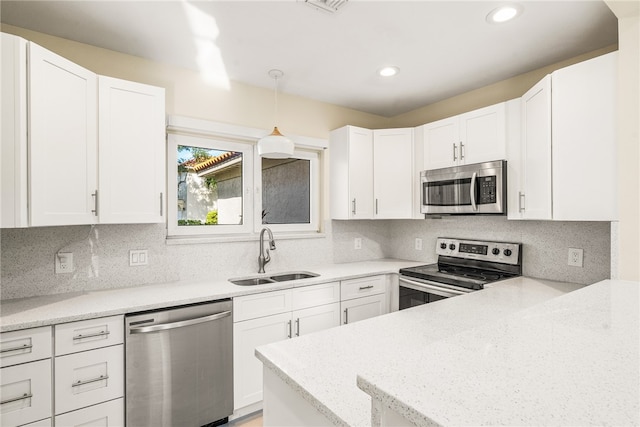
(363, 308)
(107, 414)
(25, 393)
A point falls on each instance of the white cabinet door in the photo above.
(363, 308)
(584, 140)
(441, 140)
(351, 178)
(247, 369)
(131, 152)
(25, 393)
(482, 134)
(108, 414)
(13, 148)
(315, 319)
(535, 196)
(62, 108)
(393, 176)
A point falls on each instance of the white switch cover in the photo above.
(64, 262)
(575, 257)
(418, 244)
(357, 243)
(138, 257)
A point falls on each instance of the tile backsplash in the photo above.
(101, 253)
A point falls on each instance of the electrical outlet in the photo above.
(357, 243)
(418, 244)
(138, 257)
(64, 262)
(575, 257)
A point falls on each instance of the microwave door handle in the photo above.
(472, 189)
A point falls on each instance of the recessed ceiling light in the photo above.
(504, 13)
(388, 71)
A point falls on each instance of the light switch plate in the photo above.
(138, 257)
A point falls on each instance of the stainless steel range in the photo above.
(463, 266)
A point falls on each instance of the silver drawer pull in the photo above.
(362, 288)
(94, 380)
(97, 334)
(16, 399)
(22, 347)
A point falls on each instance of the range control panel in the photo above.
(507, 253)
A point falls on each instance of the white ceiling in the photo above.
(443, 48)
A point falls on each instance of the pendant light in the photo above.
(275, 145)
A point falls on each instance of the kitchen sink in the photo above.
(282, 277)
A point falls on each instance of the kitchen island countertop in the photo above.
(46, 310)
(409, 360)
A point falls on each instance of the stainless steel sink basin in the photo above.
(293, 276)
(282, 277)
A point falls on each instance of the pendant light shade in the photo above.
(275, 145)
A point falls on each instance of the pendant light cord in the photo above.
(275, 118)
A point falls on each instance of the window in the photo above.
(220, 186)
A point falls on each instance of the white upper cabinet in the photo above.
(393, 177)
(473, 137)
(564, 168)
(351, 179)
(59, 131)
(131, 152)
(371, 173)
(62, 147)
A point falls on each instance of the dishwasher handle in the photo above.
(180, 324)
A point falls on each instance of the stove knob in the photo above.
(452, 247)
(443, 246)
(495, 251)
(507, 252)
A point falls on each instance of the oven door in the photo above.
(414, 292)
(468, 189)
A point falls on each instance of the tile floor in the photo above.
(251, 420)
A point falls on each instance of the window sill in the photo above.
(194, 240)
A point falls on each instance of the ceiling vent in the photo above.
(331, 6)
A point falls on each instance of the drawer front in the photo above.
(313, 296)
(87, 378)
(260, 305)
(88, 334)
(42, 423)
(25, 393)
(24, 346)
(356, 288)
(108, 414)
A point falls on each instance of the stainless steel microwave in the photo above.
(479, 188)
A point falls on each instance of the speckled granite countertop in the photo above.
(573, 360)
(323, 367)
(59, 308)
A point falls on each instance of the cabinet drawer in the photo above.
(88, 334)
(107, 414)
(260, 305)
(356, 288)
(312, 296)
(87, 378)
(25, 393)
(42, 423)
(23, 346)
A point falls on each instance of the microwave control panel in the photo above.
(487, 189)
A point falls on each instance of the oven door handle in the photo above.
(472, 189)
(426, 287)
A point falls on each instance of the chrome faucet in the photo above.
(264, 256)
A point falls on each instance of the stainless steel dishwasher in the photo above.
(179, 366)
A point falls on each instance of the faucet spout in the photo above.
(264, 257)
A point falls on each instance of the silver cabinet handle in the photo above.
(93, 380)
(354, 206)
(289, 327)
(95, 203)
(298, 327)
(455, 152)
(521, 206)
(362, 288)
(180, 324)
(472, 190)
(16, 399)
(97, 334)
(346, 316)
(461, 150)
(161, 207)
(22, 347)
(376, 206)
